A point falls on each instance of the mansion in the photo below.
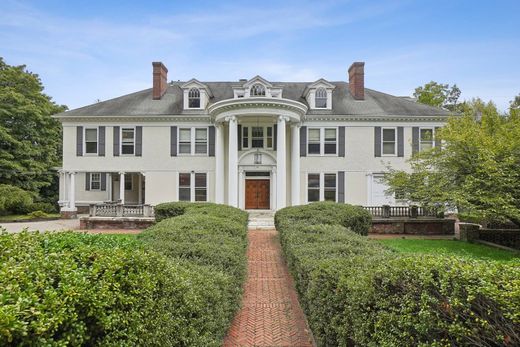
(251, 143)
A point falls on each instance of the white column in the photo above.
(295, 165)
(219, 163)
(233, 163)
(281, 147)
(241, 190)
(72, 191)
(140, 188)
(122, 187)
(109, 186)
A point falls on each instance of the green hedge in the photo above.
(355, 218)
(14, 200)
(174, 209)
(356, 292)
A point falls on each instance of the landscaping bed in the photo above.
(31, 217)
(179, 283)
(357, 292)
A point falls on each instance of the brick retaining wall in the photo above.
(412, 226)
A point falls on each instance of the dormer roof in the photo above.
(194, 83)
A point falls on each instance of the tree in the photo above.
(476, 170)
(438, 94)
(30, 140)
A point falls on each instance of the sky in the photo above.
(92, 50)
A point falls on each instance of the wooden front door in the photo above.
(257, 194)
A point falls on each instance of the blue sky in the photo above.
(89, 50)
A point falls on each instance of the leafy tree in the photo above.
(476, 170)
(438, 94)
(30, 140)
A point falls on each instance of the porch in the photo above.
(118, 216)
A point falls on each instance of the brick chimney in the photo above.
(160, 83)
(356, 80)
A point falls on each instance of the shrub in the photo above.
(356, 292)
(72, 289)
(38, 214)
(43, 206)
(174, 209)
(355, 218)
(14, 200)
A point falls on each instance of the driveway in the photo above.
(59, 224)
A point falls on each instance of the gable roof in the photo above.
(141, 103)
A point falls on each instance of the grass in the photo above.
(26, 217)
(450, 247)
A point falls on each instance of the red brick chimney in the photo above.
(356, 80)
(160, 76)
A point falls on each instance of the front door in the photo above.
(257, 194)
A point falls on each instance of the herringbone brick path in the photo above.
(270, 313)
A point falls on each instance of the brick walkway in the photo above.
(270, 313)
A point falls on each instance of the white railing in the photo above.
(120, 210)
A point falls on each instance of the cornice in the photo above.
(141, 118)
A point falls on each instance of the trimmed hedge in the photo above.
(356, 292)
(14, 200)
(356, 218)
(174, 209)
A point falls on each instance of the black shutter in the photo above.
(211, 141)
(415, 140)
(173, 141)
(400, 141)
(341, 141)
(377, 141)
(275, 136)
(437, 139)
(79, 141)
(303, 141)
(341, 186)
(138, 141)
(116, 141)
(87, 180)
(239, 137)
(104, 181)
(101, 144)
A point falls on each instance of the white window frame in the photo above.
(261, 87)
(85, 141)
(199, 97)
(92, 180)
(193, 186)
(193, 141)
(250, 136)
(321, 185)
(245, 129)
(322, 142)
(420, 139)
(326, 97)
(131, 180)
(383, 142)
(121, 141)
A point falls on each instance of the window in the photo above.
(201, 141)
(329, 190)
(193, 140)
(185, 141)
(245, 137)
(313, 187)
(425, 139)
(193, 192)
(313, 141)
(95, 181)
(127, 141)
(128, 182)
(194, 98)
(257, 137)
(389, 141)
(320, 100)
(257, 90)
(184, 187)
(269, 137)
(330, 141)
(91, 141)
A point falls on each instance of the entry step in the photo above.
(261, 220)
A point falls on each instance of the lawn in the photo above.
(450, 247)
(26, 217)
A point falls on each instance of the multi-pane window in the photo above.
(91, 140)
(127, 141)
(257, 137)
(313, 187)
(193, 140)
(425, 139)
(314, 141)
(245, 137)
(269, 137)
(257, 90)
(128, 182)
(389, 141)
(321, 187)
(95, 181)
(330, 141)
(193, 186)
(320, 101)
(194, 98)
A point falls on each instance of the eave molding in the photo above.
(115, 119)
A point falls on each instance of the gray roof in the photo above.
(142, 104)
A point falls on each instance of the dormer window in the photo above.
(321, 98)
(194, 98)
(257, 90)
